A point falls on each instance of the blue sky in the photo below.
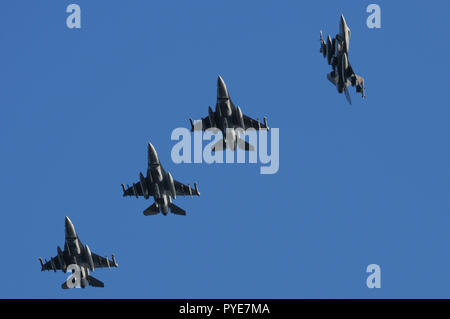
(357, 185)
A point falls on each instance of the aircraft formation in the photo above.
(160, 185)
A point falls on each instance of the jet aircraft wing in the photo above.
(102, 262)
(206, 123)
(135, 190)
(203, 124)
(52, 264)
(251, 123)
(184, 190)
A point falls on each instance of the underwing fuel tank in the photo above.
(61, 259)
(89, 258)
(323, 47)
(173, 192)
(344, 66)
(240, 117)
(143, 185)
(329, 49)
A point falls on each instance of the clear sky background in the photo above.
(357, 185)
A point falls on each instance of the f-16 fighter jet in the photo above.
(75, 253)
(227, 116)
(336, 52)
(161, 186)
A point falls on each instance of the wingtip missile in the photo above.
(123, 188)
(265, 123)
(114, 261)
(196, 189)
(42, 264)
(52, 264)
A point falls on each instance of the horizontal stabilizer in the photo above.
(244, 145)
(95, 282)
(332, 78)
(65, 286)
(152, 210)
(177, 210)
(219, 146)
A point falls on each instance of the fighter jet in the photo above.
(227, 116)
(161, 186)
(336, 52)
(75, 253)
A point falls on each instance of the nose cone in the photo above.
(343, 26)
(343, 22)
(70, 230)
(345, 33)
(152, 155)
(222, 92)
